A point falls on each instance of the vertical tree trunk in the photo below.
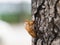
(46, 14)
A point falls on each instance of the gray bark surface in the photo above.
(46, 14)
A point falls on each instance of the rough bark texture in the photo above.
(46, 14)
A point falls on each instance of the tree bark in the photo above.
(46, 14)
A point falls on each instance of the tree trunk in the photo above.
(46, 14)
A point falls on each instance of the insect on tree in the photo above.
(46, 18)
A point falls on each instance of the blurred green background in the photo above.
(15, 13)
